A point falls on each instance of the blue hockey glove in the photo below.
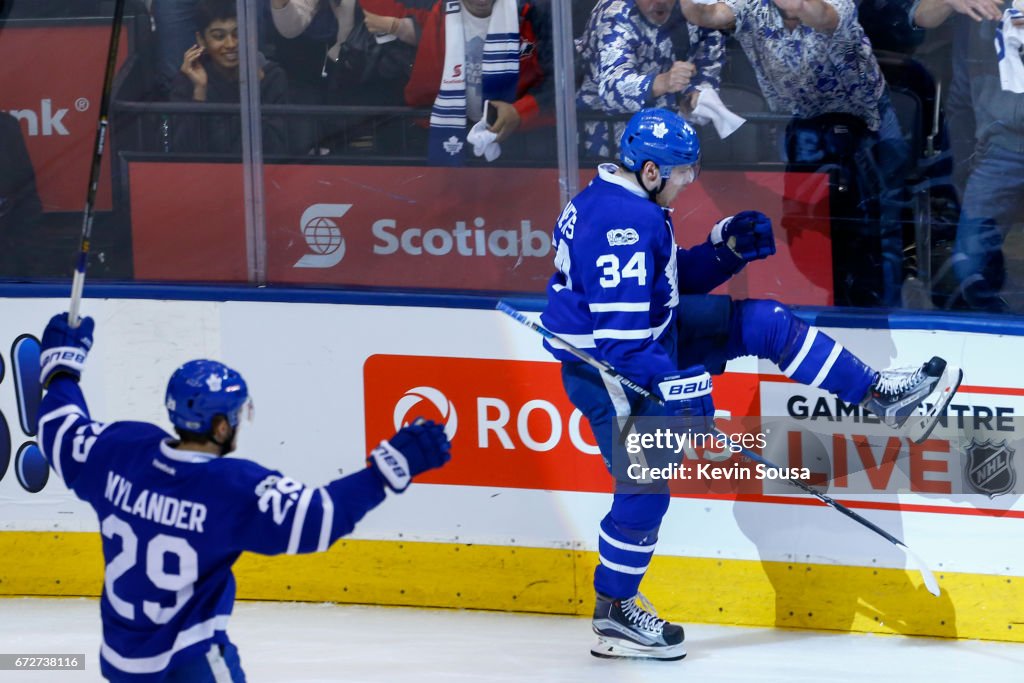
(687, 396)
(747, 235)
(416, 448)
(63, 348)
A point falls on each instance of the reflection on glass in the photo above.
(885, 147)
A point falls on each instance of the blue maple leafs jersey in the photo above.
(615, 291)
(619, 275)
(172, 524)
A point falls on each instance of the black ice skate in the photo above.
(631, 628)
(897, 394)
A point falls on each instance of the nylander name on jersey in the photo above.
(616, 290)
(619, 276)
(162, 509)
(173, 522)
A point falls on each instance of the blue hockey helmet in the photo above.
(661, 136)
(200, 390)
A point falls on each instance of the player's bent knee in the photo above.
(768, 327)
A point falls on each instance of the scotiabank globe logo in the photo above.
(406, 409)
(322, 235)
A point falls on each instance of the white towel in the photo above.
(1009, 41)
(484, 141)
(500, 77)
(711, 109)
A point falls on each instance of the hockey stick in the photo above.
(916, 562)
(78, 281)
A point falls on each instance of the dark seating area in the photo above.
(144, 123)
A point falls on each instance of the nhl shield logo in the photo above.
(989, 467)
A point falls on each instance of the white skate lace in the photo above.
(897, 380)
(643, 615)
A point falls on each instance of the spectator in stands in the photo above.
(20, 208)
(888, 26)
(339, 52)
(813, 62)
(450, 75)
(363, 64)
(988, 71)
(175, 22)
(629, 62)
(210, 73)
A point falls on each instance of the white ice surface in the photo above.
(307, 643)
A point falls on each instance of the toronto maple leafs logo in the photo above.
(453, 145)
(659, 130)
(214, 382)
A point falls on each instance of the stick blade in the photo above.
(917, 563)
(921, 426)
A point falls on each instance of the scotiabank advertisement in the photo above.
(51, 81)
(464, 229)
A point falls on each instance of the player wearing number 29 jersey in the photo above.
(174, 515)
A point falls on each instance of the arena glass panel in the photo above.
(923, 221)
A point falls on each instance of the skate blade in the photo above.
(609, 648)
(921, 426)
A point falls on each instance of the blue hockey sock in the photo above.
(629, 533)
(768, 329)
(818, 360)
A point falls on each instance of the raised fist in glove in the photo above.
(63, 348)
(748, 235)
(687, 397)
(416, 448)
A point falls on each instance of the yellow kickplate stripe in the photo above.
(554, 581)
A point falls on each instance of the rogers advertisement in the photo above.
(511, 425)
(51, 82)
(510, 422)
(462, 229)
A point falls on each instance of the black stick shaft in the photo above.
(78, 280)
(606, 368)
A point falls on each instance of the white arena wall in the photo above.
(511, 523)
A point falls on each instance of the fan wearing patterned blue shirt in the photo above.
(627, 294)
(814, 62)
(175, 514)
(630, 63)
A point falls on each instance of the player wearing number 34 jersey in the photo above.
(175, 515)
(625, 293)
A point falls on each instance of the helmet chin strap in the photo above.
(651, 194)
(225, 445)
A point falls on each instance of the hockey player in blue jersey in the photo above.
(624, 292)
(175, 515)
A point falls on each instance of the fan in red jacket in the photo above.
(535, 85)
